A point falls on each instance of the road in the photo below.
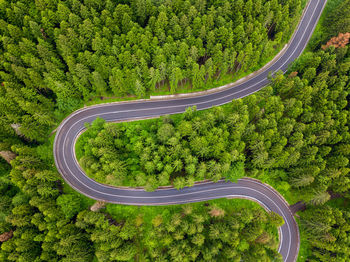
(73, 125)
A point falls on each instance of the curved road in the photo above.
(73, 125)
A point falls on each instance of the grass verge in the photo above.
(320, 34)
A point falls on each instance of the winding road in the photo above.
(73, 125)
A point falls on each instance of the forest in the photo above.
(293, 135)
(61, 54)
(294, 131)
(57, 56)
(41, 220)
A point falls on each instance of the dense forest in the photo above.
(293, 134)
(55, 56)
(295, 130)
(41, 221)
(181, 149)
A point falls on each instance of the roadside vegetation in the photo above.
(295, 136)
(293, 133)
(42, 220)
(334, 20)
(178, 149)
(56, 56)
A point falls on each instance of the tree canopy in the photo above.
(294, 132)
(60, 54)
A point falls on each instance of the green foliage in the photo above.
(329, 21)
(70, 205)
(51, 225)
(41, 231)
(297, 125)
(180, 149)
(203, 235)
(55, 56)
(338, 21)
(293, 135)
(327, 229)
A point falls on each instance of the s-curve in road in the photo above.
(73, 125)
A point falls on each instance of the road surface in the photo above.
(73, 125)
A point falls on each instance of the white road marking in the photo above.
(199, 103)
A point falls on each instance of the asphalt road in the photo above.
(73, 125)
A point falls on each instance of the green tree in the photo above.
(70, 205)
